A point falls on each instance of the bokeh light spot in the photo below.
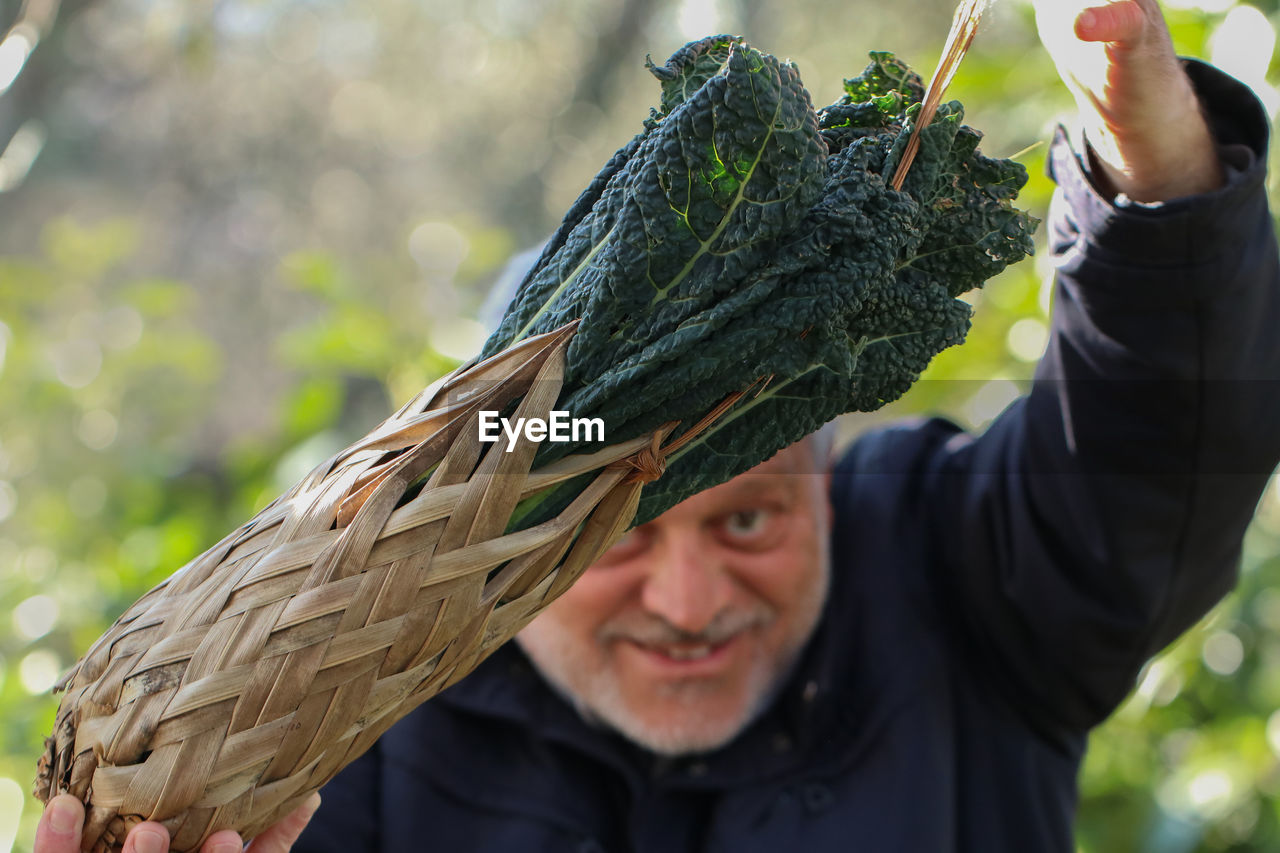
(1027, 338)
(1210, 791)
(38, 562)
(699, 18)
(438, 247)
(122, 327)
(76, 362)
(14, 51)
(39, 671)
(1223, 652)
(459, 337)
(11, 800)
(1273, 733)
(35, 617)
(97, 429)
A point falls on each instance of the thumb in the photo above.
(1120, 21)
(279, 837)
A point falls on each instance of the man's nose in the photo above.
(687, 583)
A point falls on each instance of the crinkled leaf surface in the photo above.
(743, 240)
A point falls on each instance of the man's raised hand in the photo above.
(1137, 109)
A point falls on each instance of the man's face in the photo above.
(679, 635)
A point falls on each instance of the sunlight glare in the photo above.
(699, 18)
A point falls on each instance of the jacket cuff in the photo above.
(1182, 231)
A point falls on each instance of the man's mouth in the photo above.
(687, 654)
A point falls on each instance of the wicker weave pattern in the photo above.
(228, 693)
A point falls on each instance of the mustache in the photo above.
(649, 630)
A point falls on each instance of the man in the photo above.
(905, 654)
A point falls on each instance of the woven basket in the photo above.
(244, 682)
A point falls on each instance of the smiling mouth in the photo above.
(685, 652)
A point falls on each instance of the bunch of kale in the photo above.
(743, 237)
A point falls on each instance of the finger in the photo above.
(279, 838)
(60, 826)
(226, 841)
(1115, 22)
(147, 837)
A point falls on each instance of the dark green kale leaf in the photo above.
(696, 200)
(743, 241)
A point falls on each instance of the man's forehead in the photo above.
(788, 468)
(791, 469)
(799, 458)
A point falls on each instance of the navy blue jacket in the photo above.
(993, 597)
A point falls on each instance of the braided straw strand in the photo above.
(228, 693)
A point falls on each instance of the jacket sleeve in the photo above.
(1103, 514)
(349, 817)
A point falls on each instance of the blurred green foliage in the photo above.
(254, 227)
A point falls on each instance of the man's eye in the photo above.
(747, 522)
